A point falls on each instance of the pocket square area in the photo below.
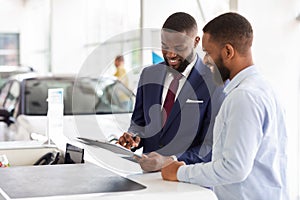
(194, 101)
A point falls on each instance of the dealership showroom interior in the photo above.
(150, 99)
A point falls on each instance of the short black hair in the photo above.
(231, 28)
(119, 58)
(180, 22)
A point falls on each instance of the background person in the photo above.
(249, 152)
(181, 131)
(121, 73)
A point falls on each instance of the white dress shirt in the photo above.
(169, 78)
(249, 150)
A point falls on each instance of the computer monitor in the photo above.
(73, 154)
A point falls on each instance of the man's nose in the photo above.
(171, 54)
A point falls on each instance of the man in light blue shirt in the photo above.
(249, 158)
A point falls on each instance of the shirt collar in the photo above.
(189, 68)
(240, 77)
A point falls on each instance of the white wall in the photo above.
(67, 31)
(275, 49)
(34, 35)
(10, 15)
(68, 35)
(157, 11)
(79, 26)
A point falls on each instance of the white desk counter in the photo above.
(30, 183)
(158, 189)
(14, 184)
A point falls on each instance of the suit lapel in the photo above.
(189, 88)
(157, 95)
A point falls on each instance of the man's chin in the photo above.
(175, 67)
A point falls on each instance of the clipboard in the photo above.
(115, 148)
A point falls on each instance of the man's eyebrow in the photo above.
(176, 46)
(163, 43)
(179, 45)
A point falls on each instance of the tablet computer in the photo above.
(116, 148)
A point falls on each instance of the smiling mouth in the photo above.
(173, 62)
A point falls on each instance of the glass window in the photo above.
(36, 94)
(83, 96)
(114, 97)
(9, 49)
(12, 97)
(4, 92)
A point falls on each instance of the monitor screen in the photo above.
(73, 154)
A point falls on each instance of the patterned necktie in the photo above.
(170, 98)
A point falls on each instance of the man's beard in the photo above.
(221, 73)
(184, 64)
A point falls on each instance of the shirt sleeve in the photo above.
(237, 136)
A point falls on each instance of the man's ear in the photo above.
(228, 51)
(196, 42)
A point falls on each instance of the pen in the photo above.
(134, 137)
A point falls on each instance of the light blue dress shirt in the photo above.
(249, 153)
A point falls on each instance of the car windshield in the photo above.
(83, 96)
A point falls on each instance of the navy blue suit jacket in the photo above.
(188, 130)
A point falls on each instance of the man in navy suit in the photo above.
(185, 133)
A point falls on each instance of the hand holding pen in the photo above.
(129, 140)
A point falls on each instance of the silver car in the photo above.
(93, 108)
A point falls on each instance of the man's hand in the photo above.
(128, 140)
(153, 161)
(169, 172)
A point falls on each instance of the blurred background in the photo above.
(57, 36)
